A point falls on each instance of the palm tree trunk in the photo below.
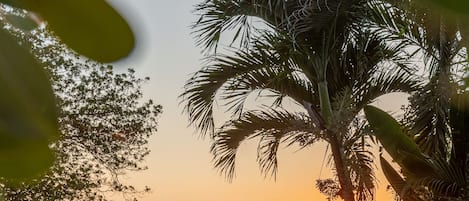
(336, 145)
(342, 173)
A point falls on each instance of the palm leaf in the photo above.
(360, 68)
(430, 118)
(361, 166)
(449, 180)
(385, 82)
(282, 76)
(272, 126)
(216, 17)
(201, 89)
(398, 21)
(235, 77)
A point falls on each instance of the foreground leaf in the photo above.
(90, 27)
(28, 117)
(456, 6)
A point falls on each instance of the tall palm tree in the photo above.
(317, 54)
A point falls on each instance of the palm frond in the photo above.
(361, 68)
(430, 116)
(448, 181)
(313, 17)
(360, 161)
(435, 35)
(384, 82)
(272, 126)
(217, 17)
(395, 20)
(233, 78)
(267, 153)
(369, 51)
(201, 89)
(282, 77)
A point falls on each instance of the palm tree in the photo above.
(317, 54)
(437, 111)
(438, 45)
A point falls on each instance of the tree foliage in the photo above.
(438, 40)
(28, 112)
(426, 177)
(104, 122)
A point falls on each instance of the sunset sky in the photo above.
(180, 166)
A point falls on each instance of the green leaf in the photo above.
(23, 4)
(399, 146)
(394, 178)
(389, 133)
(457, 6)
(28, 116)
(91, 27)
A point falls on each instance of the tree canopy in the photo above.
(104, 121)
(28, 112)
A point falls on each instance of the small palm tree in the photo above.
(438, 109)
(316, 54)
(436, 41)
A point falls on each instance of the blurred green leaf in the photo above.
(24, 23)
(28, 116)
(91, 27)
(23, 4)
(457, 6)
(25, 160)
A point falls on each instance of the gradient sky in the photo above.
(180, 167)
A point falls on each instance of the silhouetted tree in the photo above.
(104, 122)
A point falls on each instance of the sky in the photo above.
(180, 165)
